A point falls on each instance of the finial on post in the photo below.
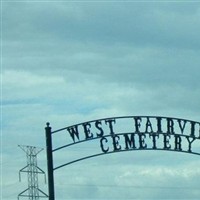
(47, 124)
(48, 128)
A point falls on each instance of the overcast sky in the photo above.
(72, 61)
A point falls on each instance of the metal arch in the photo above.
(124, 150)
(95, 138)
(122, 117)
(50, 149)
(121, 151)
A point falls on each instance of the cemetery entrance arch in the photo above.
(121, 134)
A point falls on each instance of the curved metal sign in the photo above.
(120, 134)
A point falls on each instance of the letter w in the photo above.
(73, 131)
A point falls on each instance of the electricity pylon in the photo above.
(32, 192)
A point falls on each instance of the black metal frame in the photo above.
(50, 150)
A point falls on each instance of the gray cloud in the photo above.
(71, 62)
(140, 24)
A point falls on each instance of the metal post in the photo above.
(50, 162)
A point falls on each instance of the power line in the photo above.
(135, 186)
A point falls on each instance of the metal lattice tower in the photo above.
(32, 192)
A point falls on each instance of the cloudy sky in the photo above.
(68, 62)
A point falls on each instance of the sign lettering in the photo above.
(144, 133)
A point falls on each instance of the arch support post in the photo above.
(50, 161)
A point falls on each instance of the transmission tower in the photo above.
(32, 192)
